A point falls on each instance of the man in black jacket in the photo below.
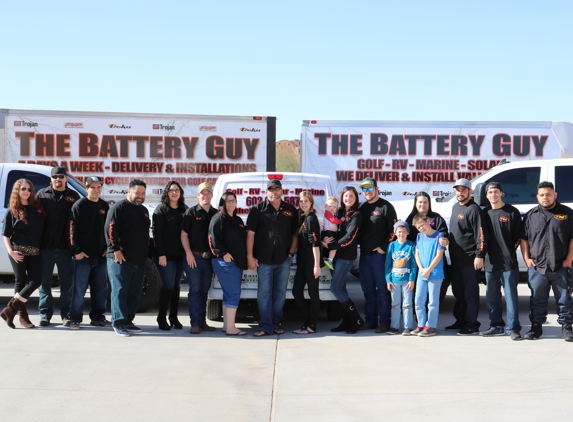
(87, 241)
(57, 200)
(127, 236)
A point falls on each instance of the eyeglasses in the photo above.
(58, 176)
(174, 191)
(25, 189)
(370, 189)
(231, 201)
(274, 189)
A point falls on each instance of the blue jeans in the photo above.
(170, 274)
(428, 290)
(62, 258)
(271, 294)
(230, 276)
(465, 287)
(199, 279)
(342, 268)
(401, 296)
(92, 271)
(126, 284)
(540, 285)
(509, 280)
(376, 294)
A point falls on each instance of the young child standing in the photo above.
(400, 277)
(330, 226)
(429, 257)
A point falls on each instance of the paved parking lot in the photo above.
(94, 375)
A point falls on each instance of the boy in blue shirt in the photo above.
(400, 278)
(429, 257)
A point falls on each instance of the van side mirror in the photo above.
(480, 195)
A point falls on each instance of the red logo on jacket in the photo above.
(375, 212)
(461, 217)
(503, 219)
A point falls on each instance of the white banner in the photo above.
(152, 149)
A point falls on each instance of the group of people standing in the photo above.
(91, 242)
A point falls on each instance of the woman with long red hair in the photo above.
(23, 227)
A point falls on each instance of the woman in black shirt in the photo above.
(168, 253)
(228, 243)
(308, 264)
(23, 227)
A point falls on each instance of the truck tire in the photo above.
(214, 309)
(333, 311)
(151, 287)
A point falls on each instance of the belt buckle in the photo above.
(206, 255)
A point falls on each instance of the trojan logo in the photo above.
(70, 199)
(375, 213)
(461, 217)
(287, 213)
(503, 219)
(560, 216)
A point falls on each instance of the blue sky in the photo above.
(329, 60)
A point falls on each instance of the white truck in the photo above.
(39, 175)
(407, 157)
(156, 148)
(251, 189)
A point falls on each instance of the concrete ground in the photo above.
(94, 375)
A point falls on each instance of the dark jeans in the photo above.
(376, 294)
(199, 279)
(62, 258)
(126, 281)
(170, 274)
(540, 286)
(30, 265)
(92, 272)
(305, 276)
(465, 287)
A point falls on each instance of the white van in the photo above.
(251, 189)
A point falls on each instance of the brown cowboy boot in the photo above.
(24, 317)
(10, 311)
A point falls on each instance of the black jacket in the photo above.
(56, 229)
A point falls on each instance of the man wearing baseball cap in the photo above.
(378, 218)
(501, 267)
(468, 247)
(197, 263)
(57, 200)
(87, 241)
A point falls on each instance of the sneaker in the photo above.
(104, 323)
(44, 322)
(382, 329)
(328, 264)
(567, 332)
(132, 328)
(74, 325)
(66, 322)
(392, 331)
(535, 332)
(121, 331)
(492, 331)
(467, 332)
(406, 332)
(417, 331)
(427, 332)
(456, 326)
(515, 335)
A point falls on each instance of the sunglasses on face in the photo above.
(25, 189)
(231, 201)
(370, 189)
(274, 189)
(58, 176)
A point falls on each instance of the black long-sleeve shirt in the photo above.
(346, 241)
(167, 232)
(504, 227)
(468, 234)
(127, 229)
(228, 236)
(26, 231)
(57, 205)
(196, 224)
(87, 227)
(308, 238)
(377, 228)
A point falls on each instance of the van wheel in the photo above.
(333, 311)
(214, 309)
(151, 287)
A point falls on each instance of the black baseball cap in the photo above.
(493, 185)
(274, 183)
(59, 170)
